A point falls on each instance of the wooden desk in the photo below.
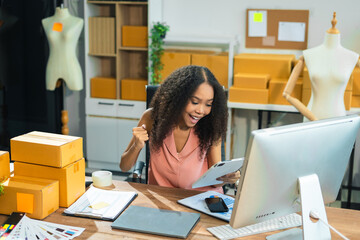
(346, 221)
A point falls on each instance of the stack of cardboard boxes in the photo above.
(261, 78)
(49, 171)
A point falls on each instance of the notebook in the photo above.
(101, 204)
(157, 221)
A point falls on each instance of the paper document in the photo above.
(292, 31)
(197, 202)
(257, 24)
(102, 204)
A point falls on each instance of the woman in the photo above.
(185, 125)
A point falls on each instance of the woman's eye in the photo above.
(194, 102)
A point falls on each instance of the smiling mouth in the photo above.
(193, 119)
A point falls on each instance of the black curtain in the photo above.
(25, 103)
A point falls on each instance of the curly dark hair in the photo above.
(171, 98)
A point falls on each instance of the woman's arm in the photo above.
(137, 142)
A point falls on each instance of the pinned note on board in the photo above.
(257, 23)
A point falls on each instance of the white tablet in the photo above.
(218, 170)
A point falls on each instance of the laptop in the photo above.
(157, 221)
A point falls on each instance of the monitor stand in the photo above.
(311, 201)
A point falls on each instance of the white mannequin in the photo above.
(330, 66)
(63, 31)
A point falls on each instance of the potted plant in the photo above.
(156, 50)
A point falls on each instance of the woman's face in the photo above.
(198, 106)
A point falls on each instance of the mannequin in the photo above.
(63, 31)
(330, 66)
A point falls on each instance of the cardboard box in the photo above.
(349, 100)
(218, 64)
(259, 96)
(71, 178)
(306, 95)
(277, 65)
(4, 165)
(173, 61)
(134, 36)
(133, 89)
(356, 81)
(36, 197)
(306, 79)
(246, 80)
(102, 87)
(47, 149)
(355, 101)
(276, 89)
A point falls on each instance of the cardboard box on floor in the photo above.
(71, 178)
(37, 197)
(4, 165)
(47, 149)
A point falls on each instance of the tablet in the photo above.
(217, 170)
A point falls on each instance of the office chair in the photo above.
(150, 91)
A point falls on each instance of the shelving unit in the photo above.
(109, 122)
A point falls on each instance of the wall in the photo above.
(227, 18)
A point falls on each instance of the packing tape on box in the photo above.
(102, 178)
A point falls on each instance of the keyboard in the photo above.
(227, 232)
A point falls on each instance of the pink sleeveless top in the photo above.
(179, 170)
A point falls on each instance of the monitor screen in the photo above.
(276, 157)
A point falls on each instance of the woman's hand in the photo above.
(230, 178)
(140, 135)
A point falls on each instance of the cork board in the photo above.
(273, 20)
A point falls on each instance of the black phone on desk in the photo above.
(216, 204)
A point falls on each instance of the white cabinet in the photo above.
(106, 140)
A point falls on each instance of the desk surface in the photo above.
(346, 221)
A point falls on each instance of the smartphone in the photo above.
(216, 204)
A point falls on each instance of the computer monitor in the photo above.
(280, 159)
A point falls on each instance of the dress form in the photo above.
(63, 31)
(330, 66)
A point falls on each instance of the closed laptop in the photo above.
(157, 221)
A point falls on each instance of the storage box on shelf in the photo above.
(110, 113)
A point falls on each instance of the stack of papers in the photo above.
(101, 204)
(29, 228)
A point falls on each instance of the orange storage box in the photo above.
(218, 64)
(247, 95)
(133, 89)
(49, 149)
(276, 89)
(4, 165)
(277, 65)
(134, 36)
(245, 80)
(102, 87)
(37, 197)
(173, 61)
(71, 178)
